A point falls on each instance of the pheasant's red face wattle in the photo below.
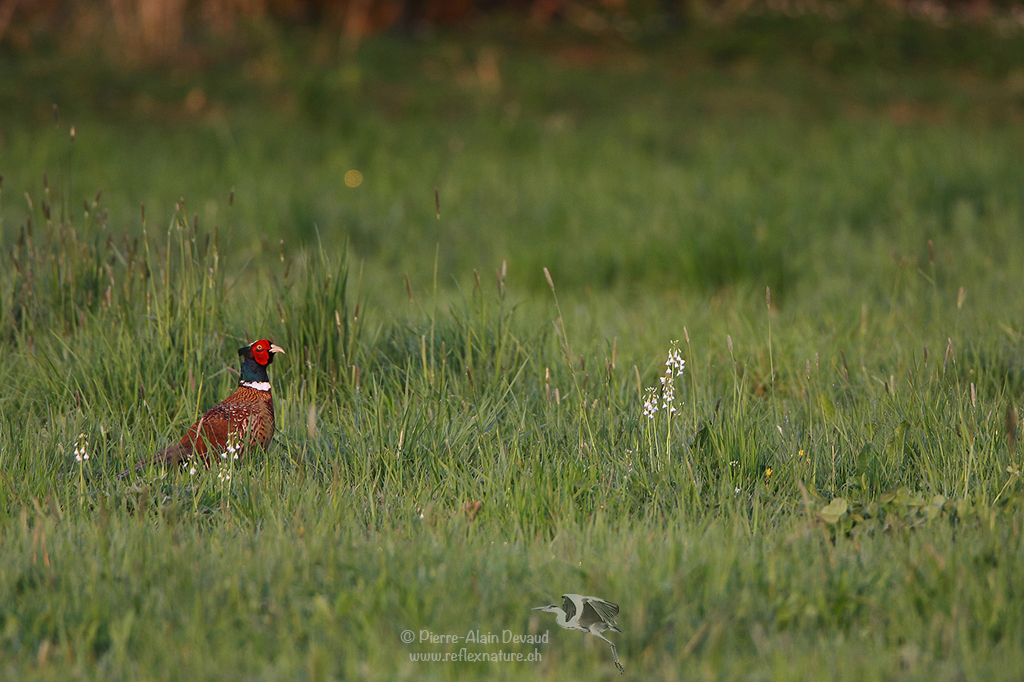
(261, 351)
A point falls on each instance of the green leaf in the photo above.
(826, 406)
(831, 512)
(896, 448)
(865, 458)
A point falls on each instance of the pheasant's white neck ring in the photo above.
(257, 385)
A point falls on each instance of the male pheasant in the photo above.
(245, 418)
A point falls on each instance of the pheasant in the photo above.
(243, 419)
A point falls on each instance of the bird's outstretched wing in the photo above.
(602, 610)
(569, 606)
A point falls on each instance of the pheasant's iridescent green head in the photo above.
(261, 351)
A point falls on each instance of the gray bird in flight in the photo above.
(588, 615)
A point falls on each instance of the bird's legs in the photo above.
(615, 654)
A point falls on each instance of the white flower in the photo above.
(192, 471)
(651, 403)
(81, 452)
(674, 365)
(668, 394)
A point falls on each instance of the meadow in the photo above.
(466, 425)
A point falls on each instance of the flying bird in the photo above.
(244, 419)
(587, 615)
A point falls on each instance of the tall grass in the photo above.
(467, 398)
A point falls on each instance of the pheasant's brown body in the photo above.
(245, 418)
(242, 420)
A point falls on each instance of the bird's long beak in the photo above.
(539, 608)
(274, 348)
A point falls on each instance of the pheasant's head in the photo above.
(255, 358)
(261, 351)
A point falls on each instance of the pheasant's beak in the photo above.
(274, 348)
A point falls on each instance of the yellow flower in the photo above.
(767, 473)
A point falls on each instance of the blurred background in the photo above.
(694, 145)
(148, 30)
(154, 30)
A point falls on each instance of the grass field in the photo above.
(463, 435)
